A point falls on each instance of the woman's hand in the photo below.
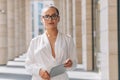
(44, 74)
(68, 63)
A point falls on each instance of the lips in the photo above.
(51, 23)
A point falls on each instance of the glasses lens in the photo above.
(46, 17)
(54, 17)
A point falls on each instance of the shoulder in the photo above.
(67, 36)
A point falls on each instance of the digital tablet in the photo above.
(57, 70)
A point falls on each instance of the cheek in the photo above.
(43, 22)
(57, 22)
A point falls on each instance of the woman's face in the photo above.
(50, 18)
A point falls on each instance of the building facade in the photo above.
(93, 24)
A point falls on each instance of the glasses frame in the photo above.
(52, 17)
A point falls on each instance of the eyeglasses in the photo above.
(52, 17)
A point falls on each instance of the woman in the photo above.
(50, 49)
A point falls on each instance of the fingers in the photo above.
(44, 74)
(68, 63)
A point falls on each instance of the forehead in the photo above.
(49, 11)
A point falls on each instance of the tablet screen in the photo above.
(57, 70)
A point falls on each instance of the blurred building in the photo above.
(93, 24)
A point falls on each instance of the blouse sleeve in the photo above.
(72, 54)
(31, 66)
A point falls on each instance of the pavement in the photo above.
(15, 70)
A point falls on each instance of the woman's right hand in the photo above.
(44, 74)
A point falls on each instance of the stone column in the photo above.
(28, 23)
(3, 32)
(64, 17)
(20, 27)
(67, 17)
(87, 34)
(61, 26)
(16, 12)
(109, 39)
(113, 39)
(74, 20)
(23, 28)
(70, 17)
(10, 29)
(78, 29)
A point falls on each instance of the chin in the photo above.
(50, 27)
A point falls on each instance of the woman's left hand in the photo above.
(68, 63)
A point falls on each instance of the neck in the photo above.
(52, 33)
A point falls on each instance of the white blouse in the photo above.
(39, 55)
